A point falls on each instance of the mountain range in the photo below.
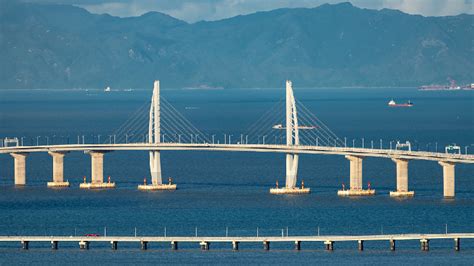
(62, 46)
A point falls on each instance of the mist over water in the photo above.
(219, 190)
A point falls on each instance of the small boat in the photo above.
(107, 89)
(392, 103)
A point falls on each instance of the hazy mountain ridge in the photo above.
(56, 46)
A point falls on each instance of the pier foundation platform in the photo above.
(156, 186)
(356, 192)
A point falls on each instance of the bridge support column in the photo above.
(235, 245)
(143, 245)
(204, 245)
(54, 245)
(355, 179)
(25, 245)
(20, 168)
(360, 245)
(174, 245)
(297, 245)
(113, 245)
(329, 245)
(402, 179)
(457, 244)
(425, 244)
(84, 245)
(448, 179)
(58, 170)
(266, 245)
(392, 245)
(97, 172)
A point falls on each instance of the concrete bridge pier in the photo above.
(54, 245)
(174, 245)
(356, 188)
(360, 245)
(25, 245)
(20, 168)
(266, 245)
(235, 245)
(297, 245)
(329, 245)
(204, 245)
(97, 172)
(113, 245)
(58, 170)
(84, 244)
(457, 244)
(425, 244)
(402, 179)
(392, 245)
(448, 179)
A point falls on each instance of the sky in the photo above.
(196, 10)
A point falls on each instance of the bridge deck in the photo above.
(334, 238)
(299, 149)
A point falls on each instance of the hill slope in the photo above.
(57, 46)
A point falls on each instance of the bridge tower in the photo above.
(154, 138)
(154, 135)
(292, 139)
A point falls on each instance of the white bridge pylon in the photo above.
(292, 136)
(154, 135)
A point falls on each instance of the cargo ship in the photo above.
(392, 103)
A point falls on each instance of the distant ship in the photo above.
(392, 103)
(107, 89)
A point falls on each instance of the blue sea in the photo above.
(221, 192)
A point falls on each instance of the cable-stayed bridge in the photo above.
(288, 127)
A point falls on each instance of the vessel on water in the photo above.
(392, 103)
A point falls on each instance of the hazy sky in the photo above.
(195, 10)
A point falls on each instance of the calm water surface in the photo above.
(219, 190)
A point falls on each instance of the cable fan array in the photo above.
(270, 128)
(174, 127)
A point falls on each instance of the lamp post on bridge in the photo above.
(225, 138)
(372, 144)
(213, 135)
(47, 140)
(263, 139)
(21, 139)
(391, 144)
(230, 135)
(37, 140)
(246, 139)
(353, 143)
(363, 143)
(241, 138)
(179, 138)
(381, 144)
(436, 146)
(465, 149)
(345, 141)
